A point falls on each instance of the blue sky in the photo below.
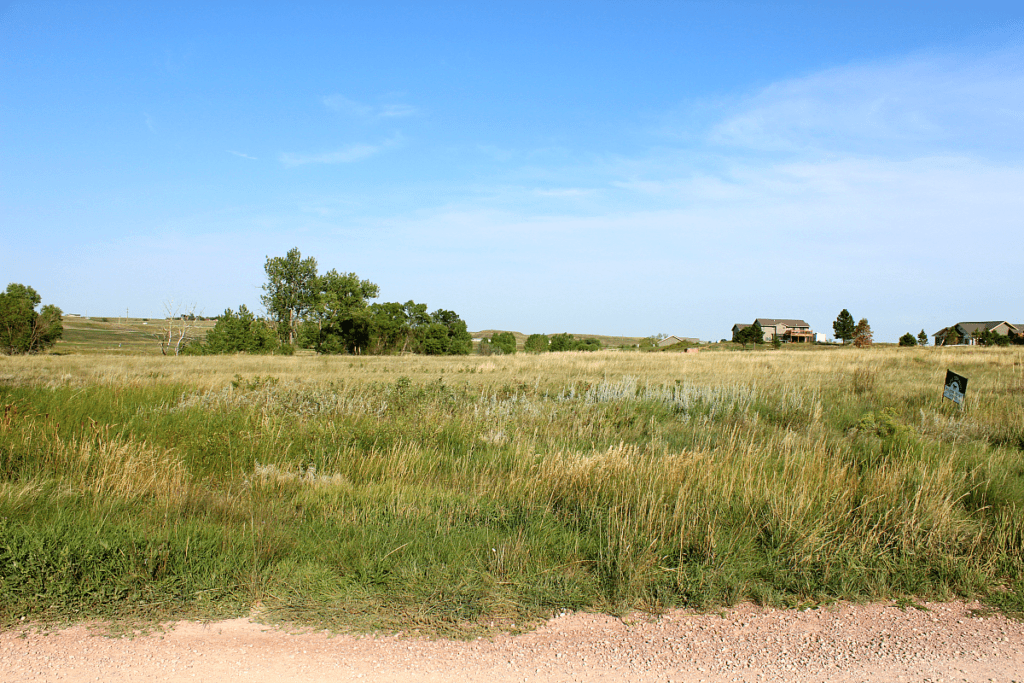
(600, 167)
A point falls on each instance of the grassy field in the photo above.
(120, 336)
(459, 495)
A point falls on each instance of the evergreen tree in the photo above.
(843, 326)
(908, 340)
(237, 333)
(922, 338)
(755, 334)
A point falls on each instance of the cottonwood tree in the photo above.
(22, 328)
(290, 291)
(844, 326)
(340, 313)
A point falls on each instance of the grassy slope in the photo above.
(119, 335)
(452, 494)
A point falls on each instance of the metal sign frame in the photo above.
(955, 388)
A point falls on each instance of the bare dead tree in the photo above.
(181, 325)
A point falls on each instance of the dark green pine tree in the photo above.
(843, 326)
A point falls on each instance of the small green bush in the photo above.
(908, 340)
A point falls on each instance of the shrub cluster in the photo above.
(502, 344)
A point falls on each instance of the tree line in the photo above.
(331, 313)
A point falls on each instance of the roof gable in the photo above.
(970, 327)
(788, 322)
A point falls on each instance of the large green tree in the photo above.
(22, 328)
(446, 335)
(290, 291)
(340, 313)
(389, 328)
(843, 326)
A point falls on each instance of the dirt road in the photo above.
(944, 642)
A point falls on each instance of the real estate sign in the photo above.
(956, 387)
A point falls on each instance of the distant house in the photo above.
(964, 332)
(787, 329)
(669, 341)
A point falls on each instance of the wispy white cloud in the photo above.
(565, 192)
(916, 105)
(389, 111)
(344, 105)
(344, 155)
(242, 155)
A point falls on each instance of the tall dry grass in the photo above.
(460, 490)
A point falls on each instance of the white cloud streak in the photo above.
(345, 155)
(344, 105)
(911, 106)
(242, 155)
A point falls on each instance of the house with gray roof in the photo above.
(965, 332)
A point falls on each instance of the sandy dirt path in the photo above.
(946, 642)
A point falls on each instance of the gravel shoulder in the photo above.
(954, 641)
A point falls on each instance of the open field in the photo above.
(120, 336)
(459, 495)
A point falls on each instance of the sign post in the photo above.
(956, 387)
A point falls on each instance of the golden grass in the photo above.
(766, 368)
